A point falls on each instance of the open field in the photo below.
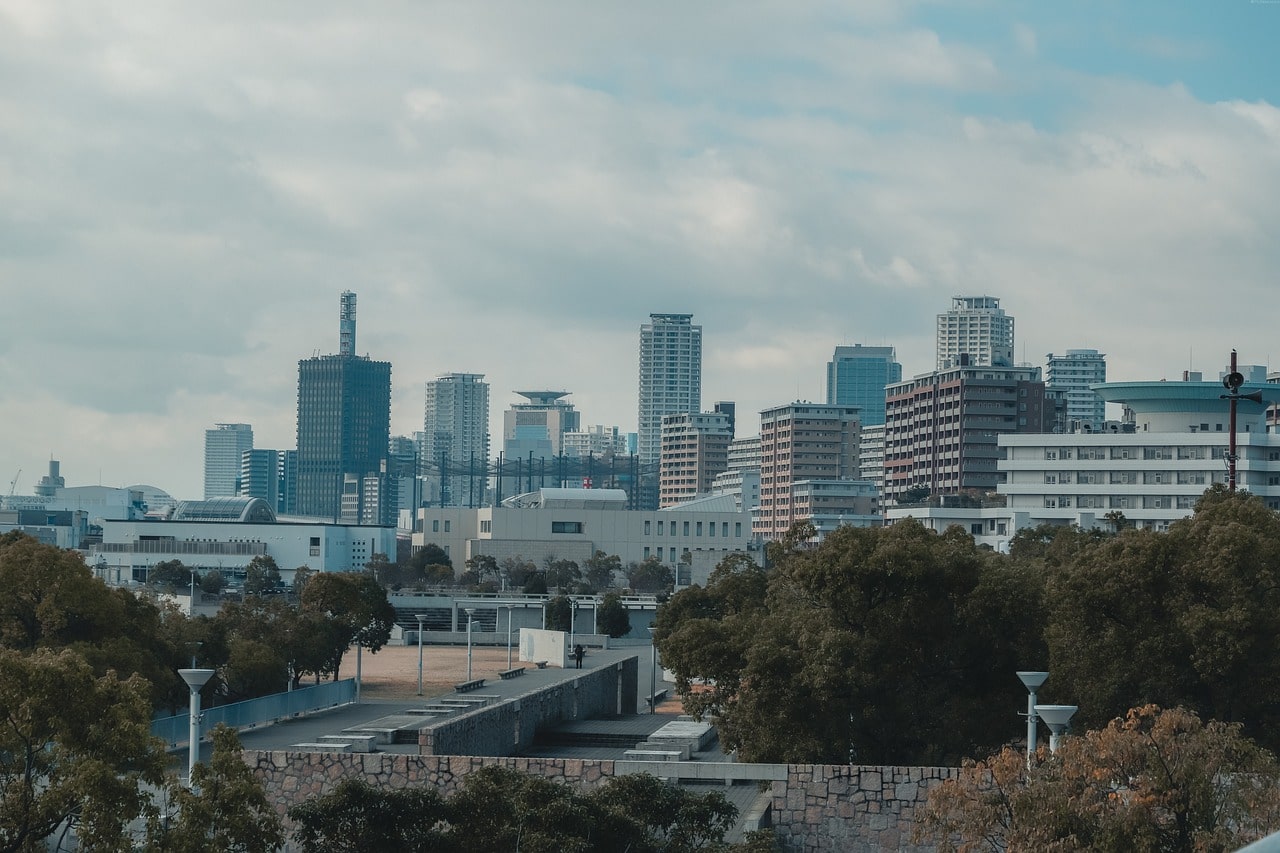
(392, 673)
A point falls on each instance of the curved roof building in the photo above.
(240, 509)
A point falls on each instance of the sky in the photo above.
(511, 188)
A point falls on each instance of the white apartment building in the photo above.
(976, 332)
(455, 437)
(695, 448)
(1075, 374)
(573, 524)
(1153, 475)
(224, 535)
(871, 455)
(224, 445)
(670, 376)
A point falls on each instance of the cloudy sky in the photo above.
(512, 187)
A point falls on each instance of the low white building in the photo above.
(572, 524)
(1153, 475)
(225, 534)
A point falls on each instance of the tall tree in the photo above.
(650, 575)
(600, 571)
(612, 617)
(261, 576)
(559, 613)
(87, 758)
(880, 645)
(355, 602)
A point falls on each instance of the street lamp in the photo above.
(1032, 681)
(1056, 717)
(653, 673)
(510, 609)
(195, 678)
(573, 613)
(469, 610)
(421, 617)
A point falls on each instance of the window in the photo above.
(672, 531)
(686, 528)
(435, 525)
(724, 529)
(737, 528)
(647, 523)
(646, 551)
(697, 530)
(711, 529)
(486, 526)
(447, 523)
(566, 527)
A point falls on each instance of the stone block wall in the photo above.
(817, 808)
(850, 808)
(508, 727)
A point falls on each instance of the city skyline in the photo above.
(512, 193)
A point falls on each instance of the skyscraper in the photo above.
(695, 448)
(1072, 374)
(857, 376)
(975, 332)
(670, 383)
(344, 419)
(223, 447)
(455, 441)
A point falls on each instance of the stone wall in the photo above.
(852, 808)
(507, 728)
(817, 808)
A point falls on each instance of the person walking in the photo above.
(578, 653)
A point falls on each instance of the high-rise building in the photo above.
(695, 448)
(941, 428)
(223, 447)
(809, 469)
(857, 376)
(598, 440)
(976, 331)
(344, 420)
(532, 433)
(1072, 374)
(670, 383)
(260, 475)
(455, 440)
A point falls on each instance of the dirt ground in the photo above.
(392, 673)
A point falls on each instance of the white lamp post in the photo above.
(421, 617)
(195, 678)
(1057, 718)
(469, 610)
(1032, 681)
(510, 609)
(573, 612)
(653, 673)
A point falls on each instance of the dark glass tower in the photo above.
(344, 420)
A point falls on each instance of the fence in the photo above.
(252, 712)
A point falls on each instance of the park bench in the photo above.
(540, 664)
(509, 674)
(468, 686)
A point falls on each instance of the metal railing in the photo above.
(252, 712)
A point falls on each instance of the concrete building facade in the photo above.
(224, 445)
(942, 427)
(455, 451)
(975, 331)
(670, 382)
(801, 442)
(695, 448)
(1074, 375)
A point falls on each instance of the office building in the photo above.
(857, 376)
(941, 428)
(1073, 375)
(597, 441)
(455, 439)
(871, 455)
(976, 331)
(670, 383)
(260, 476)
(695, 448)
(223, 447)
(805, 442)
(344, 420)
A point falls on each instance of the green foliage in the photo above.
(1185, 618)
(226, 808)
(212, 582)
(58, 758)
(600, 571)
(170, 575)
(301, 575)
(430, 554)
(650, 575)
(612, 618)
(559, 613)
(521, 572)
(881, 645)
(562, 575)
(498, 810)
(357, 607)
(1152, 780)
(355, 817)
(261, 576)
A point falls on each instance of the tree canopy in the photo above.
(1158, 780)
(880, 645)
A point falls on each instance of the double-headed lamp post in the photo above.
(195, 678)
(653, 672)
(510, 610)
(421, 617)
(469, 611)
(1032, 681)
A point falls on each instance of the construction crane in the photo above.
(13, 484)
